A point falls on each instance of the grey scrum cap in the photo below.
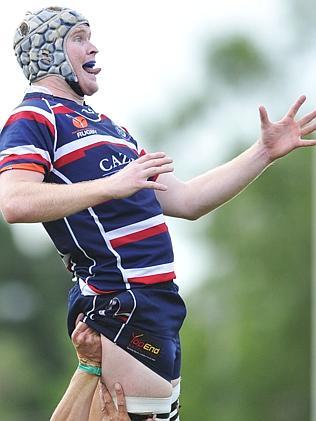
(39, 43)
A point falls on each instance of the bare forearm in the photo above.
(24, 197)
(76, 402)
(202, 194)
(214, 188)
(29, 201)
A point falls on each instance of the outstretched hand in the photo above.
(283, 136)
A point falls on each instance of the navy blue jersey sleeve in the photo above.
(27, 139)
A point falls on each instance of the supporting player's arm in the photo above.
(75, 405)
(202, 194)
(76, 402)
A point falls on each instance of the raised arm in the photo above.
(202, 194)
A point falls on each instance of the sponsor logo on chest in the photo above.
(114, 161)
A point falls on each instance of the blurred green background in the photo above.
(247, 337)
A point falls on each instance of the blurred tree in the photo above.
(36, 358)
(238, 62)
(247, 337)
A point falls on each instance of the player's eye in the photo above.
(78, 38)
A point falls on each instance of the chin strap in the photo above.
(75, 87)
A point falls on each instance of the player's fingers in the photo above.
(304, 143)
(297, 105)
(151, 155)
(155, 186)
(107, 404)
(157, 162)
(80, 328)
(154, 171)
(307, 118)
(102, 400)
(309, 128)
(79, 334)
(121, 403)
(79, 318)
(264, 118)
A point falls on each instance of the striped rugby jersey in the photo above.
(113, 246)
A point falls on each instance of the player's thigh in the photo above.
(136, 379)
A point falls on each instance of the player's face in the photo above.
(81, 53)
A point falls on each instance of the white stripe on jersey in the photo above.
(104, 236)
(109, 246)
(54, 122)
(85, 289)
(76, 145)
(35, 110)
(82, 250)
(149, 271)
(24, 150)
(138, 226)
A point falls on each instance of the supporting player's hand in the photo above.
(108, 408)
(87, 342)
(283, 136)
(137, 175)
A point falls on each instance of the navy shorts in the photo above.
(144, 321)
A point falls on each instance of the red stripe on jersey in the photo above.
(30, 156)
(138, 236)
(153, 279)
(80, 153)
(75, 155)
(62, 109)
(99, 291)
(29, 115)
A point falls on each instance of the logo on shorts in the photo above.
(116, 310)
(141, 345)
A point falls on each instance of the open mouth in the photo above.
(89, 67)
